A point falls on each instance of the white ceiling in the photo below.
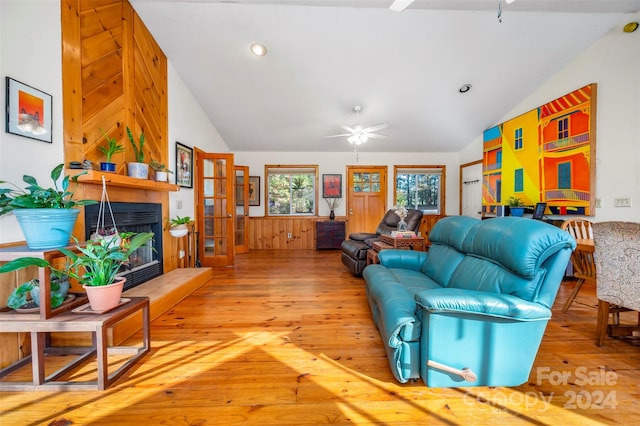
(404, 69)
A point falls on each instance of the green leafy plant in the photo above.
(159, 167)
(515, 202)
(92, 264)
(18, 296)
(113, 147)
(137, 149)
(97, 264)
(170, 223)
(34, 196)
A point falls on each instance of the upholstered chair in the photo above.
(617, 255)
(354, 249)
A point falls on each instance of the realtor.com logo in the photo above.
(571, 399)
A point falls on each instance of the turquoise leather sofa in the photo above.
(473, 309)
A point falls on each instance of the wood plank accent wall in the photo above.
(114, 76)
(271, 232)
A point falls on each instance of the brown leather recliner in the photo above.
(354, 250)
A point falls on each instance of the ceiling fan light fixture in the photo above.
(400, 5)
(258, 49)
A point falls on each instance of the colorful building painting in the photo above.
(544, 155)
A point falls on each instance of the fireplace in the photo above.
(146, 262)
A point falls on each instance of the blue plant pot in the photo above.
(108, 167)
(46, 228)
(517, 211)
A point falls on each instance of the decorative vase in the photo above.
(138, 170)
(105, 297)
(332, 215)
(108, 167)
(46, 228)
(402, 225)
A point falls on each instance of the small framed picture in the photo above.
(331, 186)
(254, 190)
(28, 111)
(184, 165)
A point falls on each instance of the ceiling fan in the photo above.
(400, 5)
(357, 133)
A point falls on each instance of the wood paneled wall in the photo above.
(272, 232)
(114, 76)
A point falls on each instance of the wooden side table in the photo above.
(97, 325)
(415, 243)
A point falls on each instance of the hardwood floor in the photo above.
(287, 338)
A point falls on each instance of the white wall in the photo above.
(188, 125)
(30, 52)
(613, 62)
(336, 162)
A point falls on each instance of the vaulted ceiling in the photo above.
(404, 69)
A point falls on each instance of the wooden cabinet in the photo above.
(329, 234)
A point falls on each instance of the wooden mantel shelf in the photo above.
(95, 177)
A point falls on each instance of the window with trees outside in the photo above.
(420, 188)
(291, 190)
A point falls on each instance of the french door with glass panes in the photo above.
(215, 203)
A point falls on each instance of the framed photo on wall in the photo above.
(254, 190)
(184, 165)
(28, 111)
(332, 186)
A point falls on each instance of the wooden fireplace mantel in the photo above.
(112, 179)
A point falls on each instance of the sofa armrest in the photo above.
(456, 300)
(404, 259)
(362, 236)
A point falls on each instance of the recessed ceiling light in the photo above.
(465, 88)
(258, 49)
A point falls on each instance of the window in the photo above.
(421, 188)
(564, 175)
(518, 179)
(291, 190)
(518, 139)
(563, 128)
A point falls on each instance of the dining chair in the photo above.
(584, 268)
(617, 254)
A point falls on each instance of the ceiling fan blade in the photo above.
(400, 5)
(375, 128)
(376, 136)
(349, 129)
(339, 136)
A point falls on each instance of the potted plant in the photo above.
(138, 169)
(59, 285)
(113, 147)
(161, 171)
(516, 206)
(178, 226)
(46, 215)
(94, 265)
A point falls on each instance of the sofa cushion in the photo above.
(441, 262)
(536, 241)
(452, 231)
(478, 274)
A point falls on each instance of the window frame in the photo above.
(311, 168)
(400, 169)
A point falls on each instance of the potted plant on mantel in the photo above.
(137, 169)
(178, 226)
(161, 171)
(46, 215)
(95, 266)
(113, 147)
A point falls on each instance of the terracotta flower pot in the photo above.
(105, 297)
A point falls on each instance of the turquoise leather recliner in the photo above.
(473, 309)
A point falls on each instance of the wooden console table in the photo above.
(96, 324)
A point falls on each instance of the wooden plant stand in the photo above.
(96, 324)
